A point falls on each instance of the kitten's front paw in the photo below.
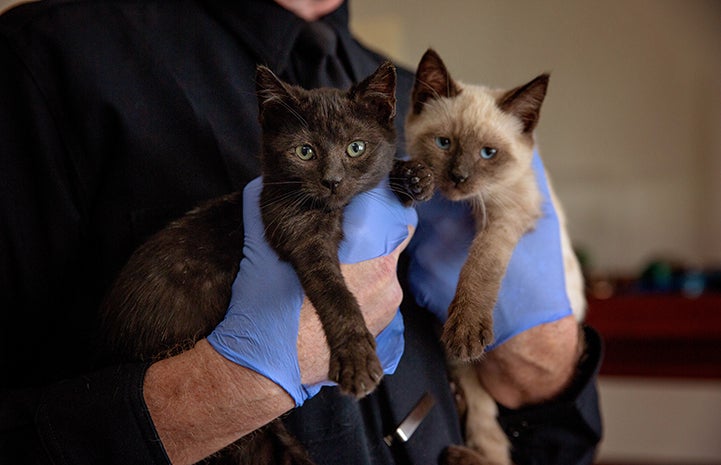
(461, 455)
(467, 332)
(412, 181)
(355, 365)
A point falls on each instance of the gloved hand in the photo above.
(532, 291)
(260, 329)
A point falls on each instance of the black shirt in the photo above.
(116, 117)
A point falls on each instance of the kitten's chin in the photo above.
(334, 202)
(457, 193)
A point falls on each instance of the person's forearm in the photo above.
(534, 366)
(200, 402)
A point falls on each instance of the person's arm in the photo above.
(535, 366)
(565, 428)
(200, 401)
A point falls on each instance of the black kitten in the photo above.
(320, 148)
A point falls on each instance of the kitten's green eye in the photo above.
(488, 153)
(356, 148)
(443, 143)
(304, 152)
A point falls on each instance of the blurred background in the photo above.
(630, 133)
(631, 136)
(631, 127)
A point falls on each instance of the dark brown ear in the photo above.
(525, 101)
(269, 89)
(432, 81)
(378, 92)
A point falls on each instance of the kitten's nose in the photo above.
(332, 183)
(458, 178)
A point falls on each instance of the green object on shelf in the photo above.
(657, 276)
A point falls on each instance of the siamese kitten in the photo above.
(478, 143)
(319, 149)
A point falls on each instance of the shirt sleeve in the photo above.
(566, 430)
(98, 418)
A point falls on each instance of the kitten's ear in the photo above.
(432, 81)
(378, 91)
(525, 101)
(269, 89)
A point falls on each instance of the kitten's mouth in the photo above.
(456, 191)
(333, 202)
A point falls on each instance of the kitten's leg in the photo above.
(469, 328)
(354, 364)
(483, 434)
(411, 181)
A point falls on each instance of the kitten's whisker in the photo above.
(294, 200)
(383, 200)
(269, 96)
(281, 199)
(442, 101)
(429, 87)
(281, 183)
(508, 198)
(401, 191)
(297, 115)
(478, 203)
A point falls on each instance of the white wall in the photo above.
(660, 421)
(630, 128)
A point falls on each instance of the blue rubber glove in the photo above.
(260, 329)
(533, 291)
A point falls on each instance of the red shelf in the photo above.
(658, 335)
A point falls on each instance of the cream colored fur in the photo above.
(507, 204)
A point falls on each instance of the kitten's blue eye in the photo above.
(443, 143)
(356, 148)
(304, 152)
(488, 153)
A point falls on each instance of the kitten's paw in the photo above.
(466, 334)
(412, 181)
(461, 455)
(419, 181)
(355, 365)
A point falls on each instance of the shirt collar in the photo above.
(270, 30)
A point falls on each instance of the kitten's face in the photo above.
(328, 145)
(476, 140)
